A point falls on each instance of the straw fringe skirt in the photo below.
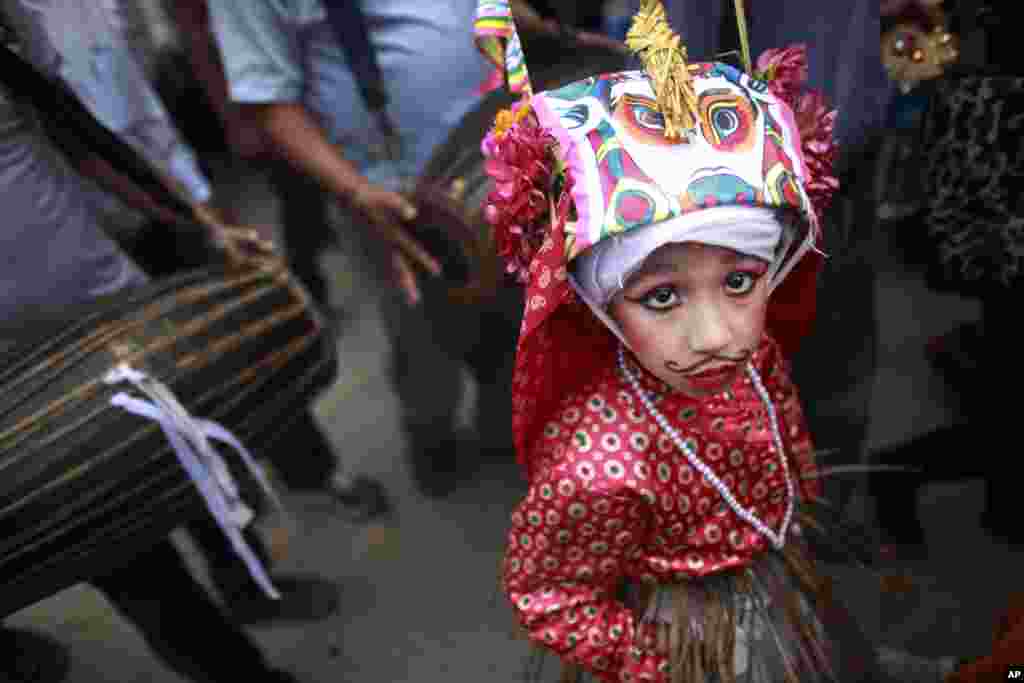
(772, 622)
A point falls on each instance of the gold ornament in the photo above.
(912, 53)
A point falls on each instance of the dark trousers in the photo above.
(301, 453)
(430, 346)
(834, 366)
(982, 445)
(180, 621)
(305, 227)
(947, 454)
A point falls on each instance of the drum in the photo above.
(454, 185)
(84, 485)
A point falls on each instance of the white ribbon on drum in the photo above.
(190, 437)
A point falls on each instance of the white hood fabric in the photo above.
(601, 271)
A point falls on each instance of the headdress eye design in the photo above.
(576, 116)
(648, 117)
(579, 117)
(757, 85)
(643, 120)
(727, 120)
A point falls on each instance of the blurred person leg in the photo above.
(997, 414)
(181, 623)
(838, 401)
(303, 597)
(954, 453)
(32, 657)
(492, 361)
(305, 460)
(939, 455)
(427, 345)
(305, 228)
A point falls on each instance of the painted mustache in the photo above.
(675, 367)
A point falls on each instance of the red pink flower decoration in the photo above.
(785, 70)
(817, 125)
(521, 160)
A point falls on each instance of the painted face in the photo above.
(743, 151)
(693, 314)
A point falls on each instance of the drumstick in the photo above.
(393, 231)
(416, 252)
(209, 217)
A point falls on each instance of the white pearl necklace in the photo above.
(777, 539)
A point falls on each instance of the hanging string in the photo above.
(741, 20)
(190, 438)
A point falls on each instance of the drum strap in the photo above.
(190, 438)
(76, 129)
(348, 22)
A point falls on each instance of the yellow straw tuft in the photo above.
(664, 58)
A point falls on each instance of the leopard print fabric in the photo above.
(973, 148)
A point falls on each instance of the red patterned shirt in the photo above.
(613, 499)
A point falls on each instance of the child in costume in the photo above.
(650, 215)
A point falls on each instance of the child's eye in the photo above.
(661, 298)
(739, 283)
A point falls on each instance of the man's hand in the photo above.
(385, 212)
(588, 39)
(238, 243)
(300, 139)
(242, 243)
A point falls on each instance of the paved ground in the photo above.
(419, 593)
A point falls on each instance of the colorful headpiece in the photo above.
(620, 152)
(631, 149)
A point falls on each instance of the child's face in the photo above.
(693, 314)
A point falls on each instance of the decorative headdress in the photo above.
(618, 152)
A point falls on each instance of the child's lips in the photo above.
(713, 377)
